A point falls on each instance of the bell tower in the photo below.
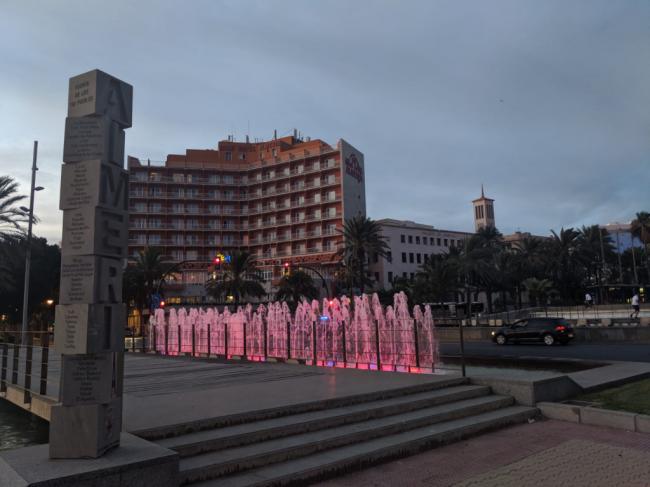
(483, 212)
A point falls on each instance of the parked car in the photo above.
(547, 330)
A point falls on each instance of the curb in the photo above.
(572, 413)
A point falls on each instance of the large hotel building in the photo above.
(284, 200)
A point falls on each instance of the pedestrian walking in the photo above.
(588, 300)
(635, 305)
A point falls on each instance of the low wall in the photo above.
(530, 392)
(583, 334)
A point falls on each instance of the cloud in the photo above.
(543, 102)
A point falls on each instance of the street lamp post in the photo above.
(28, 251)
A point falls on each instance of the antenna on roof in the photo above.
(275, 134)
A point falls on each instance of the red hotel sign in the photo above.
(353, 168)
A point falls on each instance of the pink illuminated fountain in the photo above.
(338, 332)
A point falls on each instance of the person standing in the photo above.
(635, 305)
(588, 300)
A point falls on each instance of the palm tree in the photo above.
(436, 280)
(566, 263)
(143, 276)
(641, 229)
(295, 286)
(538, 290)
(239, 278)
(528, 262)
(362, 239)
(11, 216)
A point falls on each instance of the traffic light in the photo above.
(286, 269)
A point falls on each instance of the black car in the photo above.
(547, 330)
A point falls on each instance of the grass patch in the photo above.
(633, 397)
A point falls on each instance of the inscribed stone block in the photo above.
(90, 230)
(90, 279)
(87, 379)
(89, 328)
(85, 431)
(98, 93)
(94, 183)
(88, 138)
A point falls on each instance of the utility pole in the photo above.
(28, 251)
(602, 266)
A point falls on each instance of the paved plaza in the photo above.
(542, 454)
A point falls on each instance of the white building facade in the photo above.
(410, 245)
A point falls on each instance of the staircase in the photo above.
(319, 440)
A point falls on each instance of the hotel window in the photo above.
(155, 208)
(178, 208)
(154, 239)
(431, 241)
(228, 179)
(178, 254)
(331, 196)
(213, 178)
(242, 156)
(331, 179)
(331, 212)
(417, 240)
(390, 276)
(192, 208)
(419, 258)
(389, 256)
(451, 242)
(426, 258)
(411, 258)
(446, 243)
(410, 239)
(317, 181)
(193, 223)
(140, 207)
(141, 176)
(438, 241)
(178, 178)
(412, 275)
(317, 197)
(228, 156)
(402, 238)
(177, 239)
(404, 257)
(404, 275)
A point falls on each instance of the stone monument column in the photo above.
(91, 317)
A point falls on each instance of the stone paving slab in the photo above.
(464, 460)
(578, 463)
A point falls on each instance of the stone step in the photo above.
(337, 460)
(319, 405)
(219, 463)
(247, 433)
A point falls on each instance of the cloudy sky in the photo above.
(545, 102)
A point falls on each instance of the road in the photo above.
(633, 352)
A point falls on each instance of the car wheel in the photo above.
(548, 340)
(501, 340)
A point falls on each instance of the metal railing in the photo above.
(25, 365)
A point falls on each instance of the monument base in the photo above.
(135, 462)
